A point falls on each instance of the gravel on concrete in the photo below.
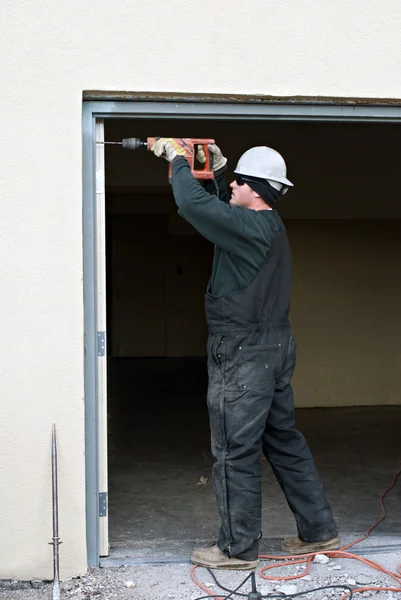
(173, 582)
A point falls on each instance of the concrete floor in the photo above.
(159, 450)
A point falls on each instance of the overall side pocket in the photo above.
(257, 366)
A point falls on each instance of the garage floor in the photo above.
(159, 450)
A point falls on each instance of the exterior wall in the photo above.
(54, 51)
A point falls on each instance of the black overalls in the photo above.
(251, 358)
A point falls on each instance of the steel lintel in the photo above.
(157, 109)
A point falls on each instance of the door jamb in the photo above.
(92, 110)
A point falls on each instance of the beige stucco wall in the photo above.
(52, 51)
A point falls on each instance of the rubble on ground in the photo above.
(173, 582)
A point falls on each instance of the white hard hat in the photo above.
(265, 163)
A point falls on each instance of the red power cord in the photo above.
(341, 553)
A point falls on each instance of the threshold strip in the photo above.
(183, 560)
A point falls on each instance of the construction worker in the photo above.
(251, 355)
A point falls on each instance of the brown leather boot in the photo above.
(214, 558)
(297, 546)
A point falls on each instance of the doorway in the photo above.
(161, 498)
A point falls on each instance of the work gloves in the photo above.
(169, 149)
(219, 160)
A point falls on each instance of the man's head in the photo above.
(261, 178)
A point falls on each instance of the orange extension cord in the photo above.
(308, 558)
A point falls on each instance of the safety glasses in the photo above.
(240, 179)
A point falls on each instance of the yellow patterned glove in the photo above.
(167, 148)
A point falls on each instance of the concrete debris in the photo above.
(174, 581)
(363, 580)
(203, 480)
(264, 590)
(20, 585)
(336, 568)
(288, 589)
(130, 584)
(321, 559)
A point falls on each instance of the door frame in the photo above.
(193, 108)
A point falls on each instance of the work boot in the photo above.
(214, 558)
(297, 546)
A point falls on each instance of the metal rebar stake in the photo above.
(56, 540)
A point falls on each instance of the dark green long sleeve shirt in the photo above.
(242, 237)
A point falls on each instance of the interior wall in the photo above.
(346, 296)
(138, 284)
(346, 312)
(158, 277)
(188, 271)
(345, 308)
(340, 170)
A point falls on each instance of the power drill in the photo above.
(190, 146)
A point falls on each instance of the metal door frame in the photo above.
(187, 109)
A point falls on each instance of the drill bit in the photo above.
(129, 143)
